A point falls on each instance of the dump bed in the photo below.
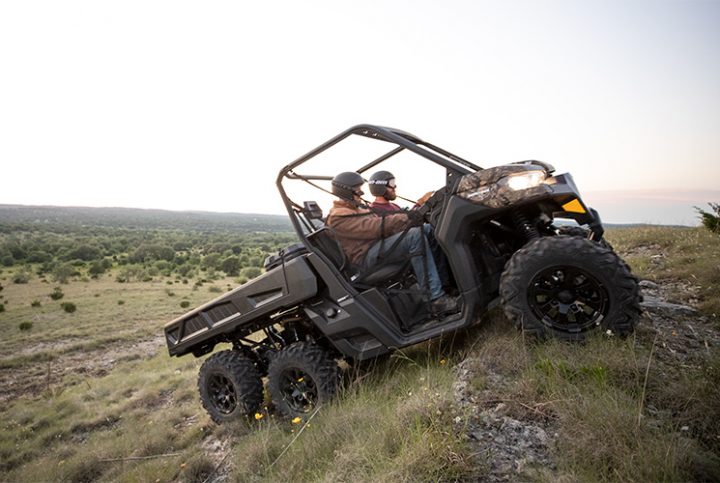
(243, 310)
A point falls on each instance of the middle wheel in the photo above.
(300, 377)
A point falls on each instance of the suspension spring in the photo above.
(522, 223)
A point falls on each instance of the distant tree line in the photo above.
(66, 251)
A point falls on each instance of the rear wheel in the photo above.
(301, 377)
(566, 286)
(230, 386)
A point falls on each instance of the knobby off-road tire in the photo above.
(566, 286)
(301, 377)
(230, 386)
(583, 233)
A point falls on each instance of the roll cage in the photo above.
(305, 216)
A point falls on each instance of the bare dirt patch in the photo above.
(33, 378)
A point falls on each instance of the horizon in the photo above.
(616, 207)
(196, 107)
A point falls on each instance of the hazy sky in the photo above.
(197, 105)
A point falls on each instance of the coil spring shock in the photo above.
(523, 225)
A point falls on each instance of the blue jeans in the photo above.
(414, 244)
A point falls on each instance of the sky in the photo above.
(197, 105)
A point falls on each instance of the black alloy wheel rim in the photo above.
(298, 390)
(222, 393)
(568, 298)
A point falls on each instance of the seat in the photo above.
(324, 240)
(381, 273)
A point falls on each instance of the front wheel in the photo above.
(566, 286)
(571, 230)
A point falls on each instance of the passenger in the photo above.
(369, 239)
(383, 187)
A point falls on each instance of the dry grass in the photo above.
(393, 422)
(690, 256)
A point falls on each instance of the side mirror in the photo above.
(312, 210)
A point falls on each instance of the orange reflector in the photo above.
(574, 206)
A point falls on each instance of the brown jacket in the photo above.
(358, 228)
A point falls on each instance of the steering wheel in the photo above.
(433, 205)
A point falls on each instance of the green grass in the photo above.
(396, 423)
(619, 410)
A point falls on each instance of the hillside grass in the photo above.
(615, 409)
(107, 313)
(687, 255)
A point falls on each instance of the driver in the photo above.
(383, 187)
(369, 239)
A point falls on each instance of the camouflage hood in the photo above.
(490, 188)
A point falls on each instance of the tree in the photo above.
(152, 251)
(39, 256)
(709, 220)
(83, 252)
(231, 266)
(211, 261)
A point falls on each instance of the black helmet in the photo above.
(379, 183)
(344, 184)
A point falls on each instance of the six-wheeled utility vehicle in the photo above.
(498, 230)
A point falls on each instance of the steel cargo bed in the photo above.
(243, 310)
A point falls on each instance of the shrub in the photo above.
(35, 303)
(68, 307)
(23, 276)
(25, 325)
(63, 272)
(711, 221)
(121, 302)
(186, 271)
(250, 272)
(2, 307)
(96, 268)
(214, 289)
(57, 294)
(184, 304)
(130, 272)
